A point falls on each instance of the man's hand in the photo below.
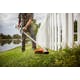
(17, 26)
(24, 28)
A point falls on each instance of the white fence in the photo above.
(57, 31)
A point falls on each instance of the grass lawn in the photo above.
(15, 58)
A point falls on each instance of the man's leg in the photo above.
(23, 42)
(30, 29)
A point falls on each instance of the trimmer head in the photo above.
(40, 51)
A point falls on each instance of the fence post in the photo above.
(64, 29)
(53, 35)
(70, 30)
(59, 30)
(78, 28)
(55, 25)
(50, 31)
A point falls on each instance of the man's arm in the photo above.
(19, 19)
(29, 22)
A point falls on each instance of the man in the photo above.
(25, 19)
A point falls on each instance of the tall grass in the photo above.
(63, 58)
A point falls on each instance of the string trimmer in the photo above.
(40, 50)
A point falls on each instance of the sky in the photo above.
(9, 20)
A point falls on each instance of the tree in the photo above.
(3, 36)
(16, 36)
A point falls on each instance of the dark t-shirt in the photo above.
(24, 17)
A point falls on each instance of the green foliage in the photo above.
(3, 42)
(75, 37)
(17, 41)
(75, 30)
(16, 36)
(3, 36)
(62, 58)
(75, 26)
